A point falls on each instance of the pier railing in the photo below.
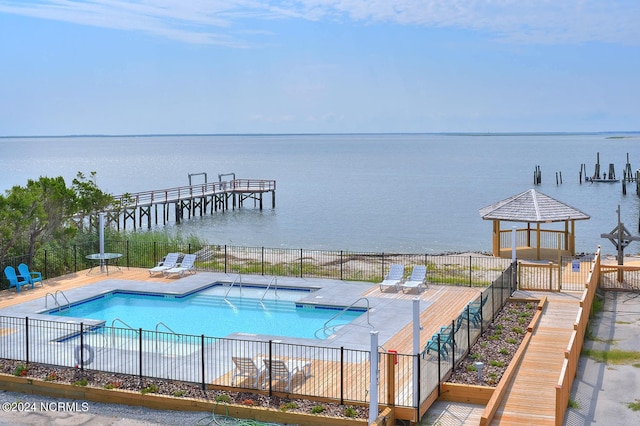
(462, 270)
(170, 195)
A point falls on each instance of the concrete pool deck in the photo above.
(388, 314)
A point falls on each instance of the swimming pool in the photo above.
(208, 312)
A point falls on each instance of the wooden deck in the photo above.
(447, 303)
(530, 399)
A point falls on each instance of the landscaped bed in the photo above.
(496, 346)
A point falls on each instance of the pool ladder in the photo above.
(326, 324)
(238, 279)
(274, 279)
(158, 325)
(54, 296)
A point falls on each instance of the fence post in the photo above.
(75, 258)
(128, 258)
(550, 276)
(341, 265)
(270, 366)
(470, 273)
(301, 263)
(81, 346)
(45, 265)
(26, 340)
(341, 375)
(202, 360)
(439, 371)
(262, 261)
(140, 352)
(382, 275)
(225, 258)
(468, 329)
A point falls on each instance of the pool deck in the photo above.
(391, 312)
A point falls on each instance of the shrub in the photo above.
(51, 377)
(179, 393)
(504, 351)
(317, 409)
(81, 382)
(288, 406)
(495, 363)
(21, 370)
(152, 388)
(350, 412)
(223, 398)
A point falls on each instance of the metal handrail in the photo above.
(267, 289)
(65, 298)
(46, 306)
(238, 277)
(346, 309)
(168, 328)
(113, 329)
(55, 299)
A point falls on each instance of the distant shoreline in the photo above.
(619, 134)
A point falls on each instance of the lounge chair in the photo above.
(416, 280)
(170, 261)
(246, 367)
(284, 371)
(187, 265)
(394, 277)
(16, 281)
(32, 277)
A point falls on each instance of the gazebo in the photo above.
(533, 207)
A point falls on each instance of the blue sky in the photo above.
(318, 66)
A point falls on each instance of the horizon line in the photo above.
(470, 133)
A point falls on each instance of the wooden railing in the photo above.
(572, 353)
(528, 238)
(160, 196)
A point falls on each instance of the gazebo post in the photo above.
(496, 238)
(538, 241)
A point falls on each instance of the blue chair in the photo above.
(33, 277)
(16, 281)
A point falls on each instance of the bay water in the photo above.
(407, 193)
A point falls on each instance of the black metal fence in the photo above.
(313, 371)
(466, 270)
(448, 347)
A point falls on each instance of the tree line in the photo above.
(48, 212)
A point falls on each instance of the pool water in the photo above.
(208, 312)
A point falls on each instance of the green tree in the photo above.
(46, 210)
(90, 200)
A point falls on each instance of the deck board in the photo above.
(530, 398)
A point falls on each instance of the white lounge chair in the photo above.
(187, 265)
(170, 261)
(248, 368)
(394, 277)
(416, 280)
(284, 371)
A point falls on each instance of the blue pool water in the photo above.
(207, 312)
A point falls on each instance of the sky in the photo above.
(318, 66)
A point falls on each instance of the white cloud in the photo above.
(219, 21)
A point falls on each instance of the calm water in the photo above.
(404, 193)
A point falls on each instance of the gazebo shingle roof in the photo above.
(531, 206)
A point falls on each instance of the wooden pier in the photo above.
(187, 201)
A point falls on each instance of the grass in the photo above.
(613, 356)
(573, 404)
(635, 405)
